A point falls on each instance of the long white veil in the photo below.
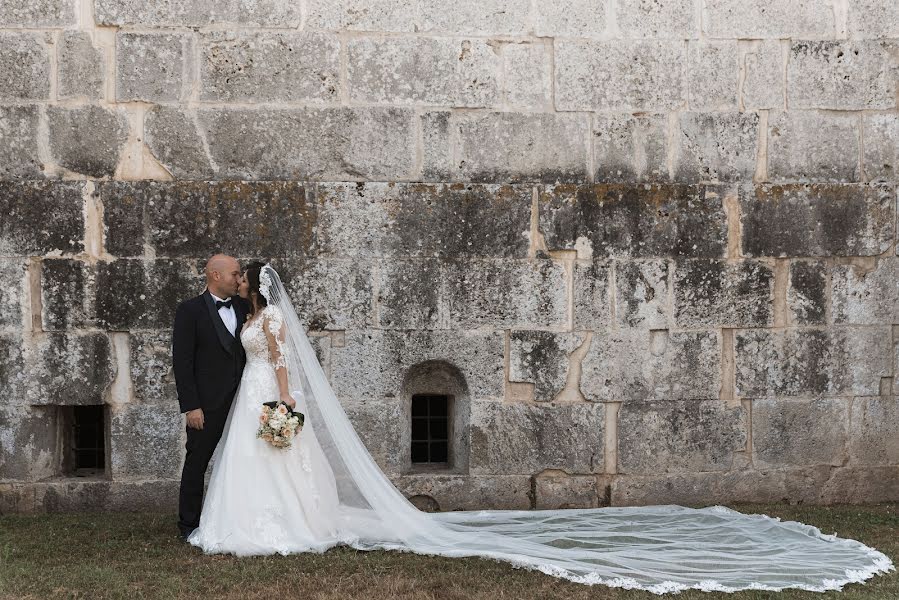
(660, 548)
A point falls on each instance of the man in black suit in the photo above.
(208, 360)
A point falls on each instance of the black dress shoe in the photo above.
(183, 535)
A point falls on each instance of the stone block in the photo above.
(805, 362)
(630, 148)
(19, 154)
(67, 294)
(843, 75)
(418, 70)
(139, 294)
(641, 19)
(592, 294)
(676, 437)
(40, 14)
(464, 492)
(784, 486)
(25, 70)
(626, 221)
(643, 294)
(684, 489)
(619, 75)
(87, 140)
(269, 67)
(505, 147)
(364, 15)
(197, 219)
(100, 495)
(468, 17)
(558, 490)
(152, 377)
(542, 358)
(197, 13)
(859, 485)
(438, 161)
(713, 75)
(816, 220)
(153, 67)
(503, 294)
(81, 67)
(13, 375)
(763, 81)
(527, 75)
(760, 19)
(874, 431)
(14, 281)
(329, 144)
(570, 18)
(28, 442)
(797, 433)
(145, 442)
(422, 220)
(331, 293)
(379, 427)
(373, 363)
(174, 139)
(641, 365)
(873, 19)
(813, 146)
(716, 146)
(409, 294)
(881, 147)
(861, 297)
(41, 218)
(807, 292)
(719, 293)
(68, 369)
(509, 439)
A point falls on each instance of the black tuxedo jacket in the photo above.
(208, 361)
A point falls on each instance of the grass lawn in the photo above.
(137, 555)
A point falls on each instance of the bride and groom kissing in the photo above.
(209, 360)
(240, 344)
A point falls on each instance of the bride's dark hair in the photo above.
(252, 272)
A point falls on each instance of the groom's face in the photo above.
(229, 277)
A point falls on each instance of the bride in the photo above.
(325, 490)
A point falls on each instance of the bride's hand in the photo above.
(288, 400)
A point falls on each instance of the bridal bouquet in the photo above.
(278, 424)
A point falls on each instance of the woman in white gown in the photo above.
(326, 490)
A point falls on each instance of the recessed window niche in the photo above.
(436, 409)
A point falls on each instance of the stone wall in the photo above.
(649, 248)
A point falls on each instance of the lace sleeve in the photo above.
(273, 325)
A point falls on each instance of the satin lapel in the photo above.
(226, 339)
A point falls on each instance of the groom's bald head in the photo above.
(223, 275)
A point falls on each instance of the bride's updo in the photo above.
(252, 273)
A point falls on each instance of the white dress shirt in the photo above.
(229, 317)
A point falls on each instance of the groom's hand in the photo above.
(195, 418)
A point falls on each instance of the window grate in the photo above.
(430, 429)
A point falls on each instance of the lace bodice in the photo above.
(255, 342)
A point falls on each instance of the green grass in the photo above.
(138, 555)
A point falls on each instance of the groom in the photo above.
(208, 360)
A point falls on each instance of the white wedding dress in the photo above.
(326, 490)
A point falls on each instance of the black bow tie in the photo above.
(222, 304)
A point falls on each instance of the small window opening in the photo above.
(430, 429)
(87, 431)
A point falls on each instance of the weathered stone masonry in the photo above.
(648, 248)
